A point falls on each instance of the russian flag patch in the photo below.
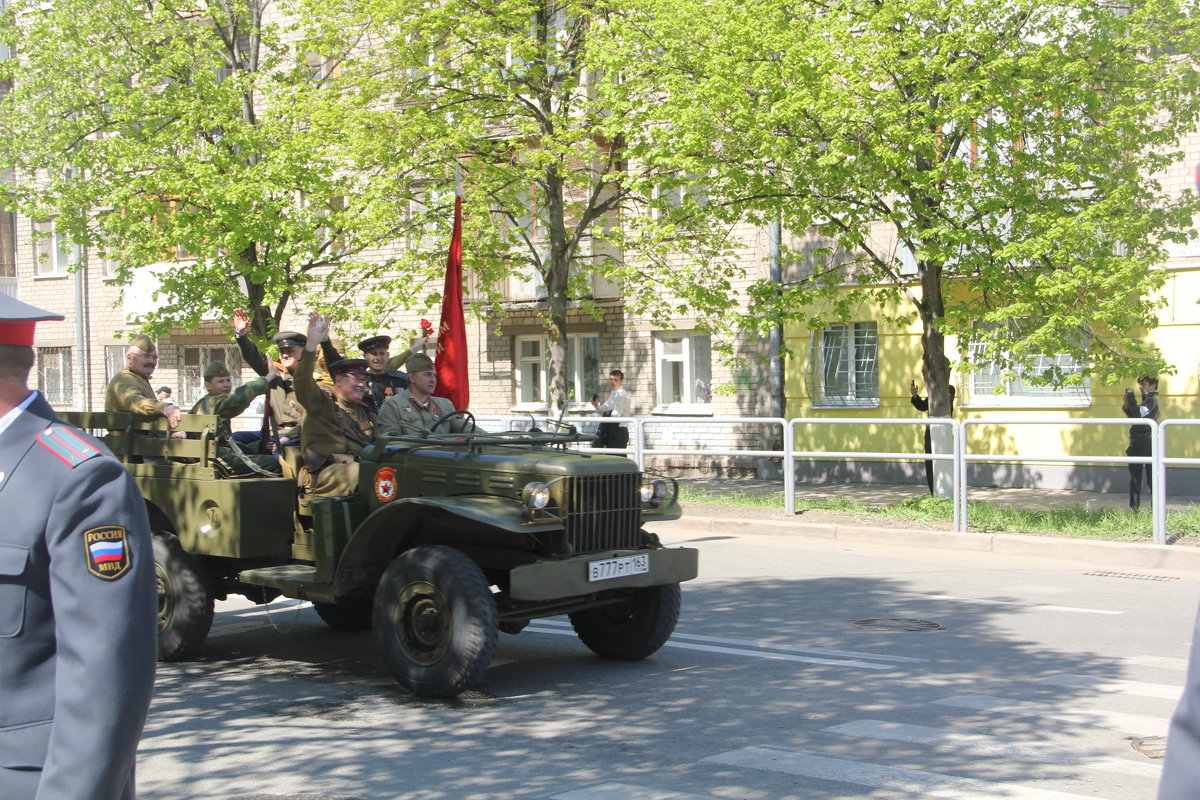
(107, 552)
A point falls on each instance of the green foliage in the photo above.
(1009, 147)
(196, 136)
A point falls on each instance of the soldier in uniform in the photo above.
(130, 389)
(413, 411)
(78, 609)
(383, 380)
(337, 425)
(224, 401)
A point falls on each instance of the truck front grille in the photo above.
(603, 512)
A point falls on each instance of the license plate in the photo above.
(618, 567)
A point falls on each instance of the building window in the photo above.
(114, 360)
(52, 254)
(193, 358)
(8, 244)
(532, 367)
(683, 362)
(843, 366)
(54, 375)
(988, 385)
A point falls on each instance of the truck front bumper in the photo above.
(568, 577)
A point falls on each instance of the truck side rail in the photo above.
(134, 438)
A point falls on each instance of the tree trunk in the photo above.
(556, 273)
(935, 369)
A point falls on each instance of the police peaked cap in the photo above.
(289, 339)
(374, 342)
(346, 366)
(17, 320)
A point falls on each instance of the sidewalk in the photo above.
(704, 518)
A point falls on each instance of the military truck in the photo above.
(450, 539)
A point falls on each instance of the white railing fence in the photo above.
(645, 430)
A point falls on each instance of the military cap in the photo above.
(346, 366)
(216, 369)
(144, 343)
(289, 339)
(373, 342)
(419, 362)
(167, 389)
(17, 320)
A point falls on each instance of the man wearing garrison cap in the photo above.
(130, 389)
(224, 401)
(78, 604)
(414, 411)
(337, 424)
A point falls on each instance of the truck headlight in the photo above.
(653, 491)
(536, 495)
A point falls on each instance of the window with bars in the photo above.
(843, 365)
(54, 375)
(193, 358)
(114, 360)
(988, 385)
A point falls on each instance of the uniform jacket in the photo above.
(232, 404)
(401, 415)
(129, 391)
(78, 614)
(286, 411)
(331, 426)
(382, 385)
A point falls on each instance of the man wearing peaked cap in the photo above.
(383, 379)
(130, 389)
(78, 605)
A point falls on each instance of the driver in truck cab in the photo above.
(337, 424)
(414, 411)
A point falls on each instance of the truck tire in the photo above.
(435, 621)
(352, 614)
(185, 606)
(633, 628)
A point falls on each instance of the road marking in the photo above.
(1135, 688)
(738, 652)
(977, 744)
(1163, 662)
(1126, 723)
(625, 791)
(916, 782)
(959, 599)
(818, 651)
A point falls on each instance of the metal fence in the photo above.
(640, 448)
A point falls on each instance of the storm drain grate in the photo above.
(1136, 576)
(913, 625)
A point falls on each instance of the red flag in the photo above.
(452, 333)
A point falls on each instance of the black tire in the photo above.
(632, 629)
(435, 621)
(351, 614)
(185, 605)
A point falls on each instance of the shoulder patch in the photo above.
(67, 445)
(107, 552)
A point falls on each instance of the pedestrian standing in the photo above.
(1139, 436)
(78, 605)
(618, 404)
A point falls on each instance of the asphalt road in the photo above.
(1024, 678)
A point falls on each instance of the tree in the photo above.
(199, 134)
(508, 93)
(1008, 147)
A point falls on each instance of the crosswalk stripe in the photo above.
(1162, 662)
(816, 651)
(917, 782)
(1135, 688)
(625, 791)
(977, 744)
(739, 652)
(1127, 723)
(989, 602)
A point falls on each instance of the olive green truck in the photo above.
(449, 540)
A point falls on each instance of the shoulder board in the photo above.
(69, 446)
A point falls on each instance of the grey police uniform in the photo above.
(78, 614)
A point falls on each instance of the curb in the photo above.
(1125, 554)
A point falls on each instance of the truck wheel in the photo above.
(633, 628)
(435, 621)
(352, 614)
(185, 606)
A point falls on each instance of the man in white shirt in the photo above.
(618, 404)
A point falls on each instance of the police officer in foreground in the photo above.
(78, 605)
